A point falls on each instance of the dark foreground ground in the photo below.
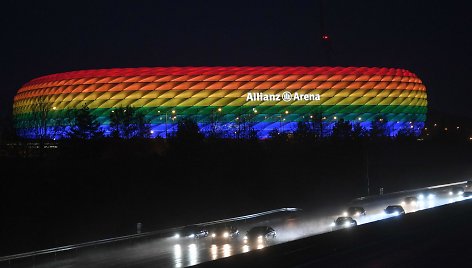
(439, 237)
(91, 191)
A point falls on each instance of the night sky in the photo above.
(429, 38)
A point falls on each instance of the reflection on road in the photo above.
(291, 229)
(184, 251)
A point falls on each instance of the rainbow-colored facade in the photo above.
(163, 94)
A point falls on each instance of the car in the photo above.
(343, 222)
(426, 195)
(456, 190)
(260, 234)
(224, 232)
(394, 210)
(193, 231)
(468, 184)
(467, 194)
(354, 212)
(410, 201)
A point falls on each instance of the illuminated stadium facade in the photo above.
(266, 97)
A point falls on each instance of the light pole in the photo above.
(286, 112)
(173, 117)
(215, 115)
(165, 114)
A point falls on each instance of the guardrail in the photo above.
(133, 236)
(410, 191)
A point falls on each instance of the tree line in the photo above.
(128, 123)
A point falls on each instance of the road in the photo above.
(165, 250)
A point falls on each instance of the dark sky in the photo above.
(429, 38)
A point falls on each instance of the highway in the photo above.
(165, 250)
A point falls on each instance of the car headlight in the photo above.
(420, 196)
(176, 235)
(225, 234)
(245, 237)
(450, 192)
(396, 213)
(357, 213)
(402, 203)
(259, 238)
(347, 224)
(332, 224)
(345, 214)
(460, 193)
(413, 203)
(213, 235)
(192, 236)
(430, 196)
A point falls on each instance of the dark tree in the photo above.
(39, 118)
(406, 133)
(317, 126)
(143, 128)
(358, 131)
(215, 130)
(128, 122)
(245, 127)
(379, 127)
(85, 125)
(187, 131)
(121, 122)
(342, 129)
(277, 136)
(303, 131)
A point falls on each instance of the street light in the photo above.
(165, 114)
(215, 118)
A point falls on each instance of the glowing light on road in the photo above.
(214, 252)
(226, 250)
(177, 251)
(192, 254)
(245, 248)
(226, 235)
(178, 255)
(431, 203)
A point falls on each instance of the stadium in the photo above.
(224, 98)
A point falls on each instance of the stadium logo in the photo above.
(285, 96)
